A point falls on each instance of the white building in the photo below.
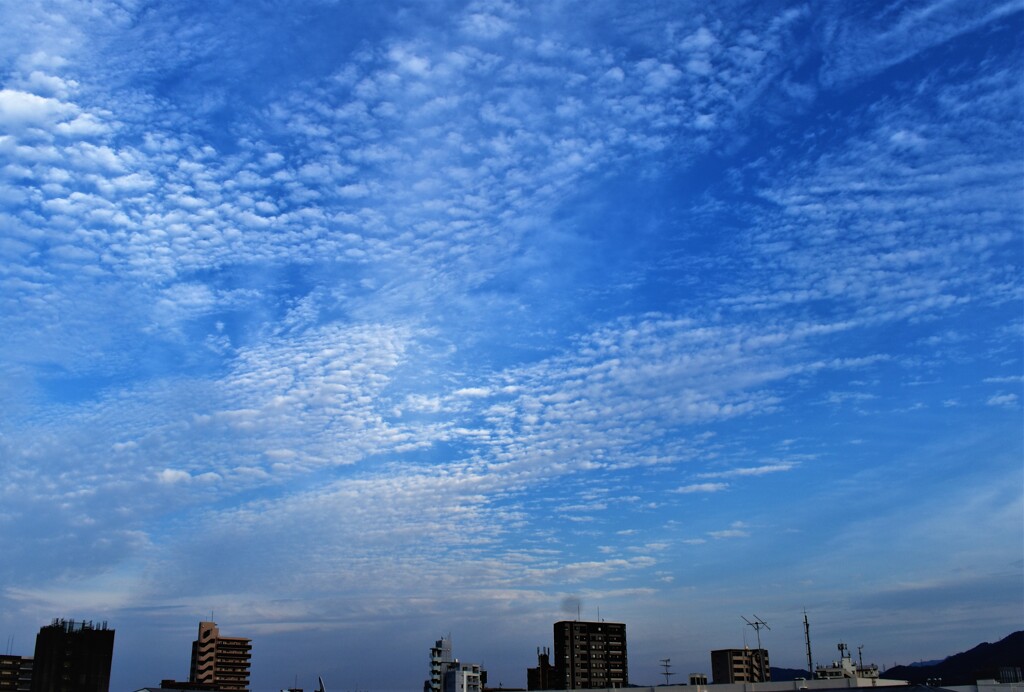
(844, 668)
(440, 659)
(463, 677)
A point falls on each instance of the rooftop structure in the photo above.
(795, 686)
(544, 676)
(845, 668)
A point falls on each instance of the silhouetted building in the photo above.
(740, 665)
(544, 676)
(73, 656)
(222, 661)
(591, 655)
(15, 673)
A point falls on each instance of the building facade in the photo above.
(440, 659)
(740, 665)
(15, 673)
(221, 661)
(463, 677)
(590, 655)
(73, 656)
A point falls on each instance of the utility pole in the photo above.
(807, 639)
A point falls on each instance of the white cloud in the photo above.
(1006, 400)
(736, 530)
(702, 488)
(20, 110)
(751, 470)
(172, 476)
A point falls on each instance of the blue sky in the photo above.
(357, 324)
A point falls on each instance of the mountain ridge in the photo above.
(965, 668)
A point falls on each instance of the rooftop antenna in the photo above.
(666, 663)
(860, 656)
(807, 640)
(757, 624)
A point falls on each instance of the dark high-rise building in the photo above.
(73, 657)
(222, 661)
(591, 655)
(544, 676)
(740, 665)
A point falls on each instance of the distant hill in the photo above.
(981, 662)
(788, 674)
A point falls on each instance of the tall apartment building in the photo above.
(740, 665)
(73, 656)
(440, 659)
(591, 655)
(222, 661)
(15, 673)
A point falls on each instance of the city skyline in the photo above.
(350, 325)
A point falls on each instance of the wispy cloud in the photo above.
(701, 488)
(750, 471)
(1008, 400)
(737, 529)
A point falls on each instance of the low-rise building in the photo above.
(464, 677)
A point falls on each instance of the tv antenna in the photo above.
(757, 624)
(666, 663)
